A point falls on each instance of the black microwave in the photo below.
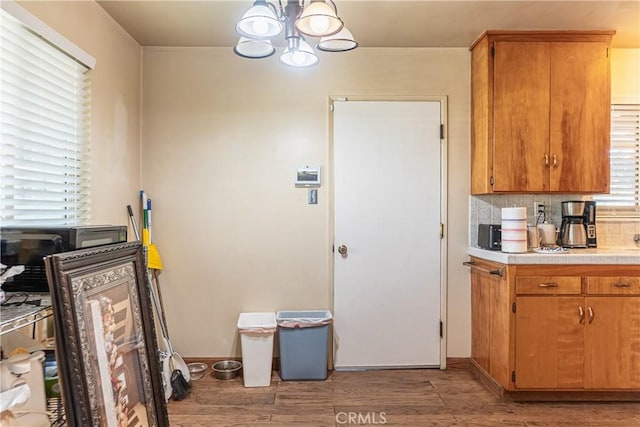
(29, 245)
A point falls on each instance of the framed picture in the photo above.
(106, 346)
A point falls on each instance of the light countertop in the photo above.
(573, 256)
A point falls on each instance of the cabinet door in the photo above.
(549, 342)
(612, 342)
(580, 106)
(521, 116)
(480, 317)
(490, 319)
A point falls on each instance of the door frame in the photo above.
(443, 202)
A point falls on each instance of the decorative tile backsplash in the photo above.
(486, 209)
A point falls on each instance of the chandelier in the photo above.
(319, 19)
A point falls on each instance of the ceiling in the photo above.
(378, 23)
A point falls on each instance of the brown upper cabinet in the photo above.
(540, 112)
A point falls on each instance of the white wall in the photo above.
(625, 75)
(222, 137)
(115, 105)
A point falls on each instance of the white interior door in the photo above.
(387, 207)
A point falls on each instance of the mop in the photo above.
(175, 372)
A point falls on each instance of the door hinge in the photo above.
(493, 51)
(491, 180)
(441, 334)
(513, 307)
(607, 52)
(333, 248)
(441, 131)
(441, 230)
(513, 376)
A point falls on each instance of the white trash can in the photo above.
(256, 338)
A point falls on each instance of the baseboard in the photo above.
(550, 395)
(458, 363)
(487, 380)
(452, 362)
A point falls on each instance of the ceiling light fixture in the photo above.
(319, 18)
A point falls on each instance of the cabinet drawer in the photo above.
(548, 285)
(628, 285)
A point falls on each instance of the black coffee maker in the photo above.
(590, 223)
(573, 230)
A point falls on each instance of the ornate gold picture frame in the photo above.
(106, 346)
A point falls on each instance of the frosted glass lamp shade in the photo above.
(300, 56)
(318, 20)
(255, 49)
(259, 22)
(340, 42)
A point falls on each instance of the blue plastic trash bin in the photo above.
(303, 338)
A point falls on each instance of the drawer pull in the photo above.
(590, 314)
(472, 264)
(622, 285)
(581, 313)
(555, 161)
(546, 159)
(548, 285)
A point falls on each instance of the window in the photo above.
(44, 130)
(624, 198)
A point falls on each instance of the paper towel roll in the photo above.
(514, 224)
(514, 247)
(514, 229)
(514, 213)
(513, 235)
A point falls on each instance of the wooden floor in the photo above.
(425, 397)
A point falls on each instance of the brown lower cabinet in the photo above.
(556, 328)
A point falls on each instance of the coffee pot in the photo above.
(573, 233)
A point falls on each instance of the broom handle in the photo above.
(157, 283)
(158, 304)
(155, 272)
(133, 223)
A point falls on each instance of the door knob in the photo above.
(342, 250)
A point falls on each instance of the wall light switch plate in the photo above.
(313, 196)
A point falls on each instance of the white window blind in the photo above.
(44, 131)
(624, 198)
